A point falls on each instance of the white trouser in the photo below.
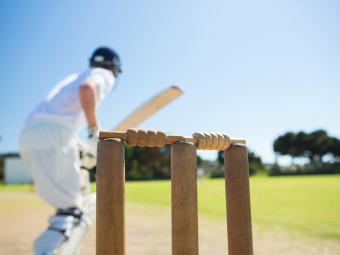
(52, 155)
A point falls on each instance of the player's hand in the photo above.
(88, 149)
(92, 140)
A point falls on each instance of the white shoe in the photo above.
(63, 236)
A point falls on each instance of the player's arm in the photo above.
(87, 94)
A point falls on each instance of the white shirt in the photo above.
(62, 105)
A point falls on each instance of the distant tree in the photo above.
(314, 145)
(220, 157)
(298, 144)
(334, 148)
(1, 168)
(143, 163)
(318, 146)
(147, 163)
(286, 145)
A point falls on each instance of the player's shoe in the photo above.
(67, 228)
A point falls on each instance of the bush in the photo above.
(308, 169)
(2, 163)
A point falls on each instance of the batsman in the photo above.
(50, 147)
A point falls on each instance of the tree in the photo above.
(147, 163)
(143, 163)
(290, 144)
(313, 146)
(334, 148)
(317, 146)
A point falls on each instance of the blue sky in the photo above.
(252, 69)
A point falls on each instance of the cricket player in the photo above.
(50, 146)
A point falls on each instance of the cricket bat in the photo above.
(149, 108)
(145, 111)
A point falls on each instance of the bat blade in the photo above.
(149, 108)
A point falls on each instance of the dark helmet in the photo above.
(104, 56)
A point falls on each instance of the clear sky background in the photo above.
(252, 69)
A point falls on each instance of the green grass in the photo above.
(309, 204)
(16, 187)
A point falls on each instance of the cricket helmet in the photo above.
(103, 56)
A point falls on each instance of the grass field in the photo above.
(308, 204)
